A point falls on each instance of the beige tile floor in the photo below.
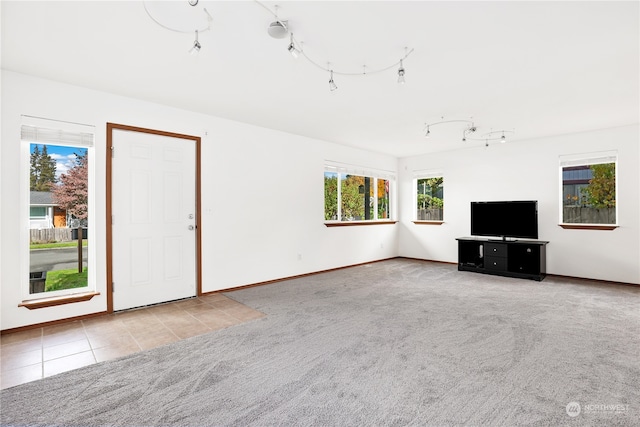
(37, 353)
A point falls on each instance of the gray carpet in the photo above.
(393, 343)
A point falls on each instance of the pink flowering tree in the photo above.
(71, 192)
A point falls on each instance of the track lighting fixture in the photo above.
(196, 46)
(280, 28)
(293, 50)
(332, 84)
(493, 136)
(469, 132)
(469, 129)
(401, 73)
(202, 23)
(277, 29)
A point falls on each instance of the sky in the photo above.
(64, 156)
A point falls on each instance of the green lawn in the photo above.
(65, 279)
(73, 244)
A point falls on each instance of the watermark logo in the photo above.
(613, 408)
(573, 409)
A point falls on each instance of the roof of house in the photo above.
(41, 198)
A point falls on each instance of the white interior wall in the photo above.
(529, 170)
(262, 202)
(262, 194)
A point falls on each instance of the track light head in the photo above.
(196, 46)
(428, 133)
(401, 74)
(293, 50)
(332, 84)
(503, 139)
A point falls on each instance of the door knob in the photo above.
(191, 227)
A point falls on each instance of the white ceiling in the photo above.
(540, 68)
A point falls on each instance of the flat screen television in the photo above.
(507, 219)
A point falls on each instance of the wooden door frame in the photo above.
(110, 128)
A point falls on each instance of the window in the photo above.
(429, 197)
(37, 212)
(57, 173)
(588, 189)
(331, 196)
(351, 195)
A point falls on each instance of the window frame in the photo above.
(420, 175)
(587, 159)
(60, 296)
(342, 171)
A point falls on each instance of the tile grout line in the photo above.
(191, 315)
(200, 321)
(41, 362)
(131, 335)
(165, 326)
(86, 337)
(128, 332)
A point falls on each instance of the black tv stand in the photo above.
(525, 259)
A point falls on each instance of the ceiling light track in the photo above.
(495, 135)
(176, 30)
(357, 73)
(195, 48)
(295, 48)
(469, 132)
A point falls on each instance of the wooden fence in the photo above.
(433, 214)
(49, 235)
(584, 215)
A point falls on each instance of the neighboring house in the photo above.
(44, 213)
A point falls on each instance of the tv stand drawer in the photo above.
(495, 249)
(495, 263)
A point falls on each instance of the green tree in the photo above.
(601, 191)
(428, 190)
(34, 171)
(331, 197)
(352, 198)
(383, 199)
(42, 171)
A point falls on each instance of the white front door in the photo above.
(153, 218)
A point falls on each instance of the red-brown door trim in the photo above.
(109, 191)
